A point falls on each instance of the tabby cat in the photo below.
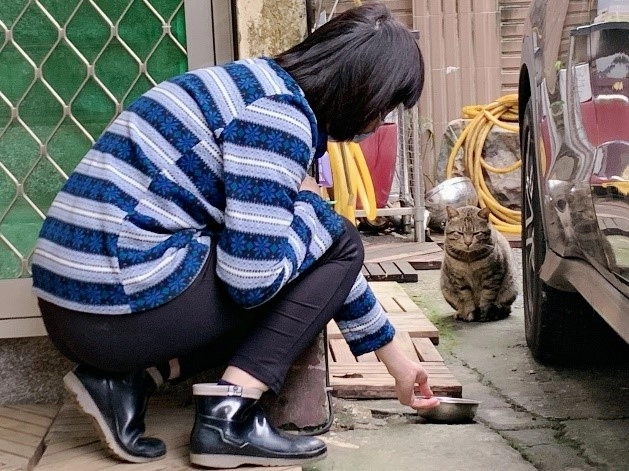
(477, 273)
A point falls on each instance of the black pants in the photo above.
(203, 328)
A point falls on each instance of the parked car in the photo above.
(574, 135)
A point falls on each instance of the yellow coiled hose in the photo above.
(472, 139)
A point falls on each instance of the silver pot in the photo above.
(455, 192)
(451, 410)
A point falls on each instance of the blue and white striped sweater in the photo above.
(216, 153)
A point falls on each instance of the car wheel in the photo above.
(553, 319)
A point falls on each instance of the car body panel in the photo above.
(575, 72)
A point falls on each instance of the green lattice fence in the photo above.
(67, 68)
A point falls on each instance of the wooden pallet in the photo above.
(72, 443)
(420, 255)
(22, 432)
(402, 272)
(365, 376)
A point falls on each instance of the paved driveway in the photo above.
(557, 418)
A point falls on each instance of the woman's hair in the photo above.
(357, 68)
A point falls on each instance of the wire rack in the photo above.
(407, 191)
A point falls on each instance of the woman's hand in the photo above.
(310, 184)
(407, 373)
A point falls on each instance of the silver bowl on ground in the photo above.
(451, 410)
(455, 192)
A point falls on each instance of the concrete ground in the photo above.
(531, 416)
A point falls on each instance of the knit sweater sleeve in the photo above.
(273, 232)
(362, 321)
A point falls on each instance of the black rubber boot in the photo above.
(230, 430)
(117, 403)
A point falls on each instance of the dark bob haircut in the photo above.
(357, 68)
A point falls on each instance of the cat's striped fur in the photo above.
(477, 273)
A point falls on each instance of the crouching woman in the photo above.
(190, 236)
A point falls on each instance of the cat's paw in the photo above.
(494, 312)
(464, 316)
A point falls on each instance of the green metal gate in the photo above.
(67, 68)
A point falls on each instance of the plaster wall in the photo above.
(267, 27)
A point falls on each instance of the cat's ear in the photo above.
(484, 213)
(451, 212)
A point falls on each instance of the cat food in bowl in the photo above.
(451, 410)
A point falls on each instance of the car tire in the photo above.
(556, 322)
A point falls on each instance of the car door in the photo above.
(582, 105)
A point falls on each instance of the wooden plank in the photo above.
(368, 358)
(426, 351)
(406, 344)
(415, 324)
(409, 274)
(389, 304)
(45, 410)
(85, 452)
(355, 378)
(383, 387)
(387, 288)
(426, 264)
(33, 429)
(371, 380)
(25, 416)
(340, 351)
(340, 369)
(9, 461)
(384, 252)
(18, 449)
(401, 272)
(175, 460)
(22, 327)
(77, 440)
(404, 251)
(19, 437)
(392, 272)
(18, 300)
(22, 432)
(79, 456)
(407, 304)
(376, 273)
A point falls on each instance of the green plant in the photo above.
(447, 339)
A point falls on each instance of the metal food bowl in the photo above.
(455, 192)
(451, 410)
